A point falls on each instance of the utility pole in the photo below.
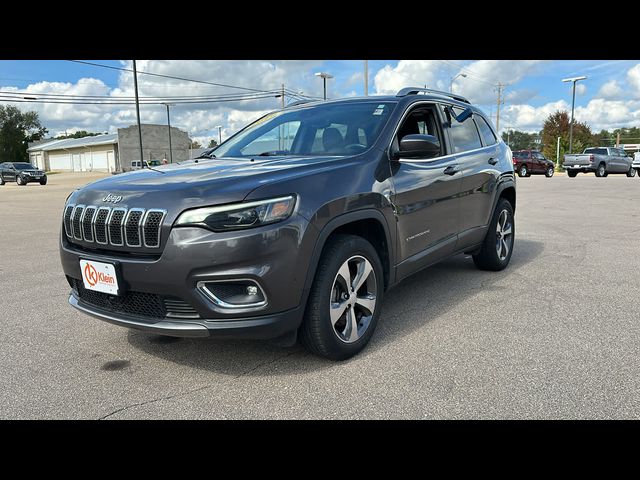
(282, 95)
(169, 124)
(508, 138)
(500, 86)
(135, 86)
(558, 153)
(366, 78)
(618, 140)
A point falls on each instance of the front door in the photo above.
(476, 147)
(425, 196)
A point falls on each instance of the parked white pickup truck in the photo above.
(636, 162)
(600, 160)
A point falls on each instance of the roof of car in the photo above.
(386, 98)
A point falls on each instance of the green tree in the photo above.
(557, 125)
(212, 143)
(17, 129)
(78, 134)
(518, 140)
(195, 144)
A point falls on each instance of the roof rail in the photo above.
(414, 90)
(299, 102)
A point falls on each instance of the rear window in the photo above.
(596, 151)
(521, 154)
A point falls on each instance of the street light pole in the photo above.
(169, 124)
(366, 78)
(324, 77)
(463, 75)
(135, 86)
(573, 104)
(219, 127)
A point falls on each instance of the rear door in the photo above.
(475, 145)
(426, 195)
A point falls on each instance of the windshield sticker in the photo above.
(379, 110)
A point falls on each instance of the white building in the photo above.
(99, 153)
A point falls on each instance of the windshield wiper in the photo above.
(274, 153)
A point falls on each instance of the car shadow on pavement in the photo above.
(417, 300)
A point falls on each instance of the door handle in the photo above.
(451, 170)
(493, 161)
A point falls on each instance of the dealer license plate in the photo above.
(99, 276)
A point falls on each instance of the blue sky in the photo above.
(609, 98)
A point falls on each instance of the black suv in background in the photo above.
(21, 173)
(297, 225)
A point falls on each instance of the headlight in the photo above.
(240, 215)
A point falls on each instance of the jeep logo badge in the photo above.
(112, 198)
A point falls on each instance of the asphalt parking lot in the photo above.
(555, 335)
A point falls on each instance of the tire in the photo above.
(489, 258)
(631, 172)
(43, 181)
(601, 171)
(2, 182)
(19, 180)
(572, 173)
(549, 172)
(524, 171)
(318, 333)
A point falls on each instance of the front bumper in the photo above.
(259, 328)
(275, 256)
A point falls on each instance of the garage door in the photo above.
(99, 160)
(60, 162)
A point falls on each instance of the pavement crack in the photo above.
(196, 390)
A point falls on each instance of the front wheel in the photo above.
(523, 172)
(345, 298)
(497, 247)
(43, 181)
(549, 172)
(631, 172)
(19, 180)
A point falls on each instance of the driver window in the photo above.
(421, 120)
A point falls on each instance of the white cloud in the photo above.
(408, 73)
(610, 90)
(633, 77)
(581, 89)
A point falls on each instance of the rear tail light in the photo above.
(591, 158)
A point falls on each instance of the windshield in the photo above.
(23, 166)
(326, 129)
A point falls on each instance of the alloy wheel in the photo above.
(353, 299)
(504, 235)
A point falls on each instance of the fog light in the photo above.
(234, 294)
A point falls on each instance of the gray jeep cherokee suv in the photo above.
(298, 225)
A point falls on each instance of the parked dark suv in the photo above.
(21, 173)
(302, 222)
(531, 162)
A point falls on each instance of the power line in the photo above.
(168, 76)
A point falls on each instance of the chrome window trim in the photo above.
(113, 211)
(125, 222)
(160, 223)
(435, 103)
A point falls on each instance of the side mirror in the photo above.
(418, 146)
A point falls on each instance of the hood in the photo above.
(189, 184)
